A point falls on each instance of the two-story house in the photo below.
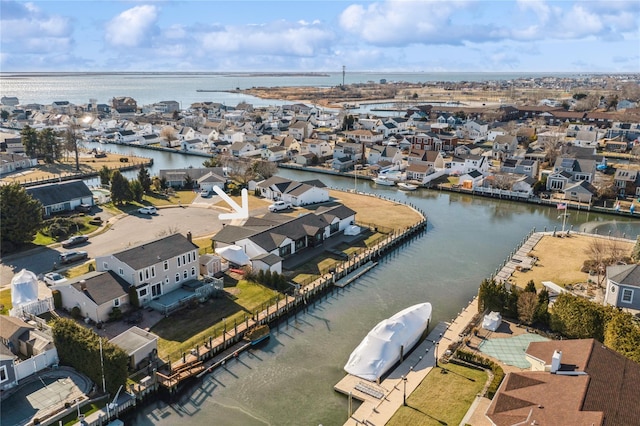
(504, 146)
(623, 286)
(569, 170)
(155, 268)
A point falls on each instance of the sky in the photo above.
(320, 36)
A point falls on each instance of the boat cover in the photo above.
(234, 254)
(380, 349)
(492, 321)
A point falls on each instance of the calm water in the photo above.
(290, 380)
(150, 88)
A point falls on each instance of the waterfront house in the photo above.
(243, 149)
(14, 162)
(366, 137)
(274, 153)
(194, 145)
(155, 268)
(568, 170)
(417, 171)
(520, 166)
(297, 193)
(471, 179)
(571, 382)
(61, 196)
(458, 165)
(623, 286)
(96, 294)
(504, 146)
(627, 182)
(586, 138)
(175, 178)
(300, 130)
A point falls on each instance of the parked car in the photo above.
(148, 210)
(75, 240)
(205, 193)
(279, 206)
(73, 256)
(54, 278)
(83, 208)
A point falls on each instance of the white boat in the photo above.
(380, 349)
(407, 186)
(381, 180)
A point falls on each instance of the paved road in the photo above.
(201, 218)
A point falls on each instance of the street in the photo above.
(126, 231)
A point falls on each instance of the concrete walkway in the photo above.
(414, 368)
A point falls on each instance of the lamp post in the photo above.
(404, 391)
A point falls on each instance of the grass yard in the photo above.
(187, 328)
(560, 260)
(441, 398)
(178, 197)
(378, 212)
(5, 301)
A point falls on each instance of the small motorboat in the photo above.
(382, 180)
(407, 186)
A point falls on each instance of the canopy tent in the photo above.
(24, 288)
(234, 254)
(492, 321)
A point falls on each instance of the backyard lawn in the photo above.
(443, 397)
(560, 260)
(187, 328)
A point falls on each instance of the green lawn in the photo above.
(441, 399)
(193, 326)
(5, 301)
(84, 227)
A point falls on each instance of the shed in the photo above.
(138, 344)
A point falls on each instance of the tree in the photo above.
(20, 216)
(530, 287)
(597, 252)
(622, 335)
(211, 162)
(188, 182)
(578, 318)
(137, 191)
(4, 115)
(144, 178)
(527, 304)
(71, 144)
(265, 169)
(120, 190)
(105, 175)
(169, 134)
(29, 138)
(49, 144)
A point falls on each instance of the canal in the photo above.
(289, 380)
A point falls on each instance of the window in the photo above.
(185, 275)
(189, 257)
(184, 259)
(193, 271)
(105, 266)
(178, 261)
(627, 295)
(3, 374)
(146, 273)
(177, 278)
(166, 265)
(121, 271)
(142, 292)
(153, 271)
(116, 302)
(166, 280)
(141, 276)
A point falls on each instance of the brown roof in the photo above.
(606, 395)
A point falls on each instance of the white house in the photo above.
(155, 268)
(297, 193)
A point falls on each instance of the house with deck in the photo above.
(297, 193)
(623, 286)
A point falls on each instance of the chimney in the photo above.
(189, 237)
(83, 285)
(555, 361)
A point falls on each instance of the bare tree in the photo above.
(527, 303)
(551, 149)
(597, 251)
(630, 91)
(265, 169)
(503, 181)
(616, 251)
(169, 134)
(71, 143)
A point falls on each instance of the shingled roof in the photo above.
(150, 253)
(57, 193)
(102, 287)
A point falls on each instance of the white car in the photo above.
(148, 210)
(54, 278)
(279, 206)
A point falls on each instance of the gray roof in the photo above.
(152, 252)
(102, 287)
(628, 275)
(133, 339)
(61, 192)
(268, 258)
(340, 211)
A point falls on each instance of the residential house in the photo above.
(322, 148)
(385, 154)
(14, 145)
(61, 196)
(243, 149)
(568, 170)
(194, 145)
(571, 382)
(155, 268)
(518, 166)
(297, 193)
(8, 378)
(10, 163)
(211, 179)
(581, 191)
(96, 294)
(274, 153)
(124, 105)
(627, 182)
(504, 146)
(368, 123)
(418, 171)
(149, 139)
(175, 178)
(471, 179)
(366, 137)
(623, 286)
(270, 235)
(476, 130)
(300, 130)
(425, 142)
(307, 159)
(524, 185)
(458, 165)
(585, 138)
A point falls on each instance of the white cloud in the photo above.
(25, 29)
(133, 27)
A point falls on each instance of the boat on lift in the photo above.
(383, 180)
(407, 186)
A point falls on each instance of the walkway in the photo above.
(519, 259)
(416, 366)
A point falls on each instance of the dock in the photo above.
(354, 275)
(381, 400)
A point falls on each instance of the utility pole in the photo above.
(343, 72)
